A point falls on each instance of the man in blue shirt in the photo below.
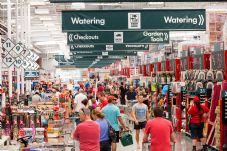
(130, 96)
(112, 114)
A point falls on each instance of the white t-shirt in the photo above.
(78, 99)
(57, 94)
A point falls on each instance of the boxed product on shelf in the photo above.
(39, 131)
(39, 139)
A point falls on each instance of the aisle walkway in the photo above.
(183, 144)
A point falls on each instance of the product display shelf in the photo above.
(216, 23)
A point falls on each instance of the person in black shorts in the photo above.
(122, 93)
(140, 116)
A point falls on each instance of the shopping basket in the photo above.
(126, 138)
(147, 146)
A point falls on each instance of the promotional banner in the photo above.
(119, 37)
(125, 20)
(114, 47)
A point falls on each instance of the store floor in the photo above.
(184, 143)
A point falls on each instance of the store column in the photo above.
(17, 40)
(10, 70)
(1, 61)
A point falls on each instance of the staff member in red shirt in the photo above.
(87, 132)
(197, 112)
(103, 100)
(161, 132)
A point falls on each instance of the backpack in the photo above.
(111, 132)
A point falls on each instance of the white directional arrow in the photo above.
(201, 20)
(166, 36)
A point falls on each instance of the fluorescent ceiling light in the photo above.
(37, 3)
(42, 11)
(5, 3)
(46, 18)
(78, 6)
(105, 4)
(46, 43)
(155, 3)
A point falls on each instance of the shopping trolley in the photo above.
(147, 146)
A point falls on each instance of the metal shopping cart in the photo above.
(147, 146)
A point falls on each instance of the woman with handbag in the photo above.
(197, 112)
(105, 143)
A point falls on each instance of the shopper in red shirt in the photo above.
(161, 132)
(103, 100)
(87, 132)
(197, 112)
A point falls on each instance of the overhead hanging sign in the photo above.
(101, 1)
(111, 53)
(109, 47)
(31, 74)
(98, 57)
(19, 56)
(123, 20)
(129, 37)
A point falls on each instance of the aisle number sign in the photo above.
(18, 56)
(8, 60)
(129, 37)
(18, 49)
(18, 62)
(8, 45)
(129, 20)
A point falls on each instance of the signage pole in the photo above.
(22, 81)
(1, 61)
(29, 35)
(21, 38)
(17, 40)
(9, 36)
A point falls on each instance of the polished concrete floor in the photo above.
(183, 144)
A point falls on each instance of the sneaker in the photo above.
(138, 147)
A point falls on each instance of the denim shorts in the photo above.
(197, 130)
(105, 146)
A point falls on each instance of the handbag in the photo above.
(111, 132)
(126, 138)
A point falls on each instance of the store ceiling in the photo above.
(46, 34)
